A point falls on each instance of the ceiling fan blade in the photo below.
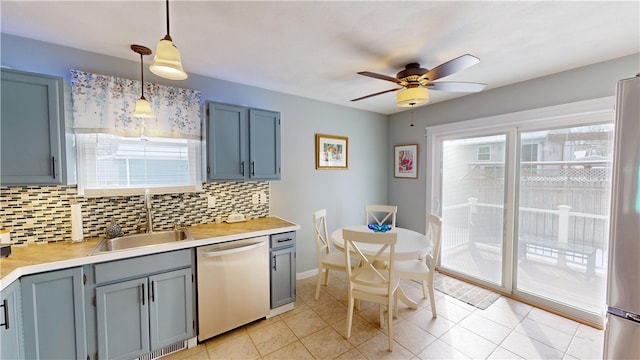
(456, 86)
(450, 67)
(379, 76)
(378, 93)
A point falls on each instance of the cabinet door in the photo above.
(123, 319)
(32, 142)
(11, 323)
(226, 142)
(171, 307)
(283, 276)
(53, 315)
(264, 145)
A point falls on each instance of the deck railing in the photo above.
(483, 222)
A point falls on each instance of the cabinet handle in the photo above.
(283, 240)
(153, 291)
(53, 166)
(274, 263)
(142, 294)
(242, 167)
(5, 306)
(253, 168)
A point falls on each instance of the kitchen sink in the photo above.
(138, 240)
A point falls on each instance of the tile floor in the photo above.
(314, 330)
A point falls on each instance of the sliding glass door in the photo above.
(563, 202)
(473, 193)
(525, 209)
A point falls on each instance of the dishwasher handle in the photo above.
(232, 250)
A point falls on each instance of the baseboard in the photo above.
(307, 274)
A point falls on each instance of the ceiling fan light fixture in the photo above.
(411, 97)
(167, 62)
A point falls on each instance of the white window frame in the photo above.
(195, 178)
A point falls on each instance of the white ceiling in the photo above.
(315, 48)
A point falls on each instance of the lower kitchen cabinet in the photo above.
(144, 314)
(11, 323)
(54, 315)
(283, 269)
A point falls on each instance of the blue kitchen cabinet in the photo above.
(11, 346)
(242, 143)
(53, 315)
(32, 144)
(171, 308)
(143, 307)
(283, 268)
(123, 319)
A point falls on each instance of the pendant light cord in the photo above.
(167, 37)
(142, 77)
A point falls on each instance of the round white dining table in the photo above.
(410, 246)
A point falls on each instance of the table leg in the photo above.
(405, 299)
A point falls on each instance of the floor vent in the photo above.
(170, 349)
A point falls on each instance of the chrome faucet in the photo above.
(147, 206)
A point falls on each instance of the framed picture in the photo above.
(332, 152)
(406, 161)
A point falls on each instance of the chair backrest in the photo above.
(434, 232)
(320, 233)
(381, 214)
(380, 249)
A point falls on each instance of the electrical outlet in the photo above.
(263, 197)
(255, 198)
(211, 202)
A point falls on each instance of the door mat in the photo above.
(470, 294)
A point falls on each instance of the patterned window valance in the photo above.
(105, 104)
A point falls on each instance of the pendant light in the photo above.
(143, 108)
(167, 62)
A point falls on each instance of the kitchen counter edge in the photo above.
(204, 234)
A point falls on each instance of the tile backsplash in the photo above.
(38, 214)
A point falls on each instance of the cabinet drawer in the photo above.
(283, 239)
(140, 266)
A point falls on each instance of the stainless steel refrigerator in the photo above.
(622, 329)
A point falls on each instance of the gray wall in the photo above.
(585, 83)
(303, 189)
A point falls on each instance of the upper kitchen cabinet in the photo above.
(242, 143)
(32, 129)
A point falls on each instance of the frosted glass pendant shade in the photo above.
(143, 109)
(412, 97)
(167, 62)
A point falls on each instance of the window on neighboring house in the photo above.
(529, 152)
(484, 153)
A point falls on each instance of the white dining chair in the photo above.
(381, 214)
(327, 259)
(422, 269)
(369, 281)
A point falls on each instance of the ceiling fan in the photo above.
(416, 81)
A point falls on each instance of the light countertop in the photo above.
(34, 258)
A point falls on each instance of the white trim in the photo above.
(581, 109)
(140, 191)
(307, 274)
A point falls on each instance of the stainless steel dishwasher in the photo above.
(233, 285)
